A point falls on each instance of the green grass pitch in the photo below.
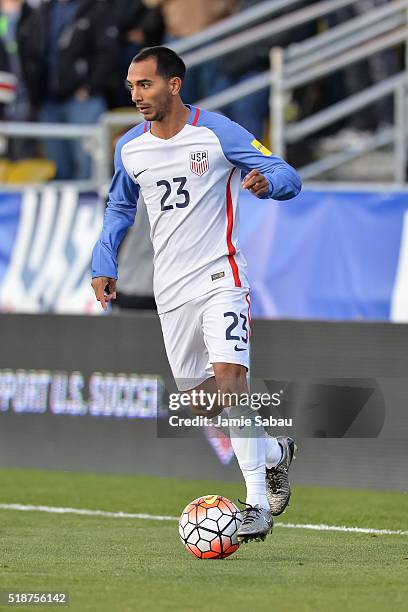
(121, 565)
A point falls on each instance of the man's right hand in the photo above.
(105, 290)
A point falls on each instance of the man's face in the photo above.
(151, 93)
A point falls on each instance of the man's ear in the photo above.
(175, 85)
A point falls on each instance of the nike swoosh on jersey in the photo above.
(239, 349)
(139, 173)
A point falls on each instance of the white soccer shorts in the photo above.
(212, 328)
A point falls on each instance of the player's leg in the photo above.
(248, 442)
(247, 438)
(192, 369)
(184, 332)
(231, 343)
(279, 452)
(226, 334)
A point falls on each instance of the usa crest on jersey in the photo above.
(199, 162)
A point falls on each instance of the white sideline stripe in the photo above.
(158, 517)
(54, 510)
(342, 528)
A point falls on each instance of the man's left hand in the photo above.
(256, 183)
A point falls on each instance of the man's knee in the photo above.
(205, 399)
(221, 391)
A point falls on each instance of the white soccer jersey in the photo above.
(190, 184)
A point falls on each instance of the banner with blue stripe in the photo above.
(327, 255)
(324, 255)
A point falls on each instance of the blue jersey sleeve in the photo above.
(242, 149)
(119, 216)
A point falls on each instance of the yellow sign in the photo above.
(258, 145)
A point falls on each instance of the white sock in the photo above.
(249, 443)
(273, 452)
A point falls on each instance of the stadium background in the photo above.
(329, 271)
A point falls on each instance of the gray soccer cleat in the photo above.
(256, 524)
(277, 480)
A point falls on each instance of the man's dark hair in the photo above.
(169, 64)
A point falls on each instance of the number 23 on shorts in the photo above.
(235, 323)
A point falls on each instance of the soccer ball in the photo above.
(208, 527)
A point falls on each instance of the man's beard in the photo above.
(162, 111)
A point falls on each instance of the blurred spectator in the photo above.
(252, 111)
(69, 61)
(14, 19)
(358, 76)
(7, 91)
(7, 81)
(183, 18)
(138, 27)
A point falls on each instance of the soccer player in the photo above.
(186, 163)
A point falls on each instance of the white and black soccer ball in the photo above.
(208, 527)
